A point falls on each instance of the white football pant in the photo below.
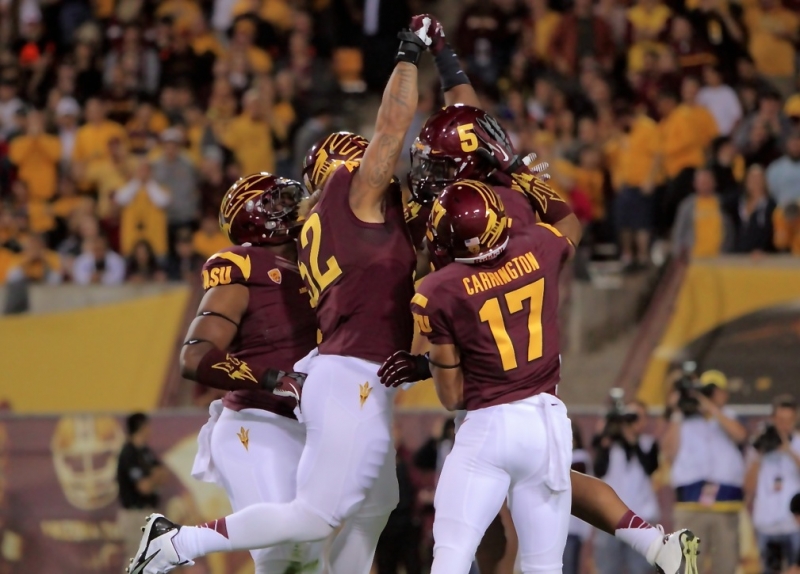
(253, 455)
(522, 451)
(347, 471)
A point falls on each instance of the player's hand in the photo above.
(497, 148)
(403, 367)
(430, 27)
(285, 384)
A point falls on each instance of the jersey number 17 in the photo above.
(491, 313)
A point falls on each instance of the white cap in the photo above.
(174, 135)
(67, 107)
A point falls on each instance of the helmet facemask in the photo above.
(429, 173)
(279, 207)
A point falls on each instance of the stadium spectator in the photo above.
(35, 263)
(579, 531)
(109, 175)
(209, 240)
(139, 63)
(315, 127)
(139, 477)
(703, 120)
(91, 141)
(36, 155)
(786, 225)
(145, 127)
(647, 22)
(142, 265)
(773, 478)
(67, 113)
(691, 50)
(728, 168)
(773, 29)
(719, 99)
(143, 201)
(98, 264)
(10, 104)
(719, 26)
(184, 264)
(632, 159)
(703, 444)
(249, 136)
(626, 458)
(581, 36)
(753, 216)
(174, 172)
(680, 154)
(702, 228)
(768, 114)
(784, 173)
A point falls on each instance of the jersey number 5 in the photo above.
(317, 281)
(490, 313)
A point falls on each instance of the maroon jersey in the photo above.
(359, 275)
(277, 329)
(518, 210)
(502, 316)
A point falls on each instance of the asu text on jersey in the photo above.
(278, 327)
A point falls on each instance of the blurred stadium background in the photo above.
(122, 122)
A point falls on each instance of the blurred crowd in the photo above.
(671, 123)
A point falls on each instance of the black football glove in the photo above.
(284, 384)
(415, 40)
(403, 367)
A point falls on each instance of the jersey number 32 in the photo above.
(315, 279)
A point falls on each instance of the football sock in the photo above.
(639, 535)
(256, 526)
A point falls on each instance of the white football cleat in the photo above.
(676, 553)
(157, 554)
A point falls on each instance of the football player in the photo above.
(252, 325)
(492, 309)
(462, 141)
(489, 313)
(357, 261)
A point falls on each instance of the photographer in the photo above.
(625, 458)
(703, 443)
(772, 480)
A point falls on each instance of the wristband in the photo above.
(450, 72)
(410, 49)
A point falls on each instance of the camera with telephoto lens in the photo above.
(618, 415)
(768, 440)
(688, 386)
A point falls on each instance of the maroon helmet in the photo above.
(261, 209)
(447, 150)
(468, 224)
(329, 153)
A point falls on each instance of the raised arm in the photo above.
(395, 115)
(455, 83)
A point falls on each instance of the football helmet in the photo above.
(261, 209)
(467, 224)
(329, 153)
(447, 150)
